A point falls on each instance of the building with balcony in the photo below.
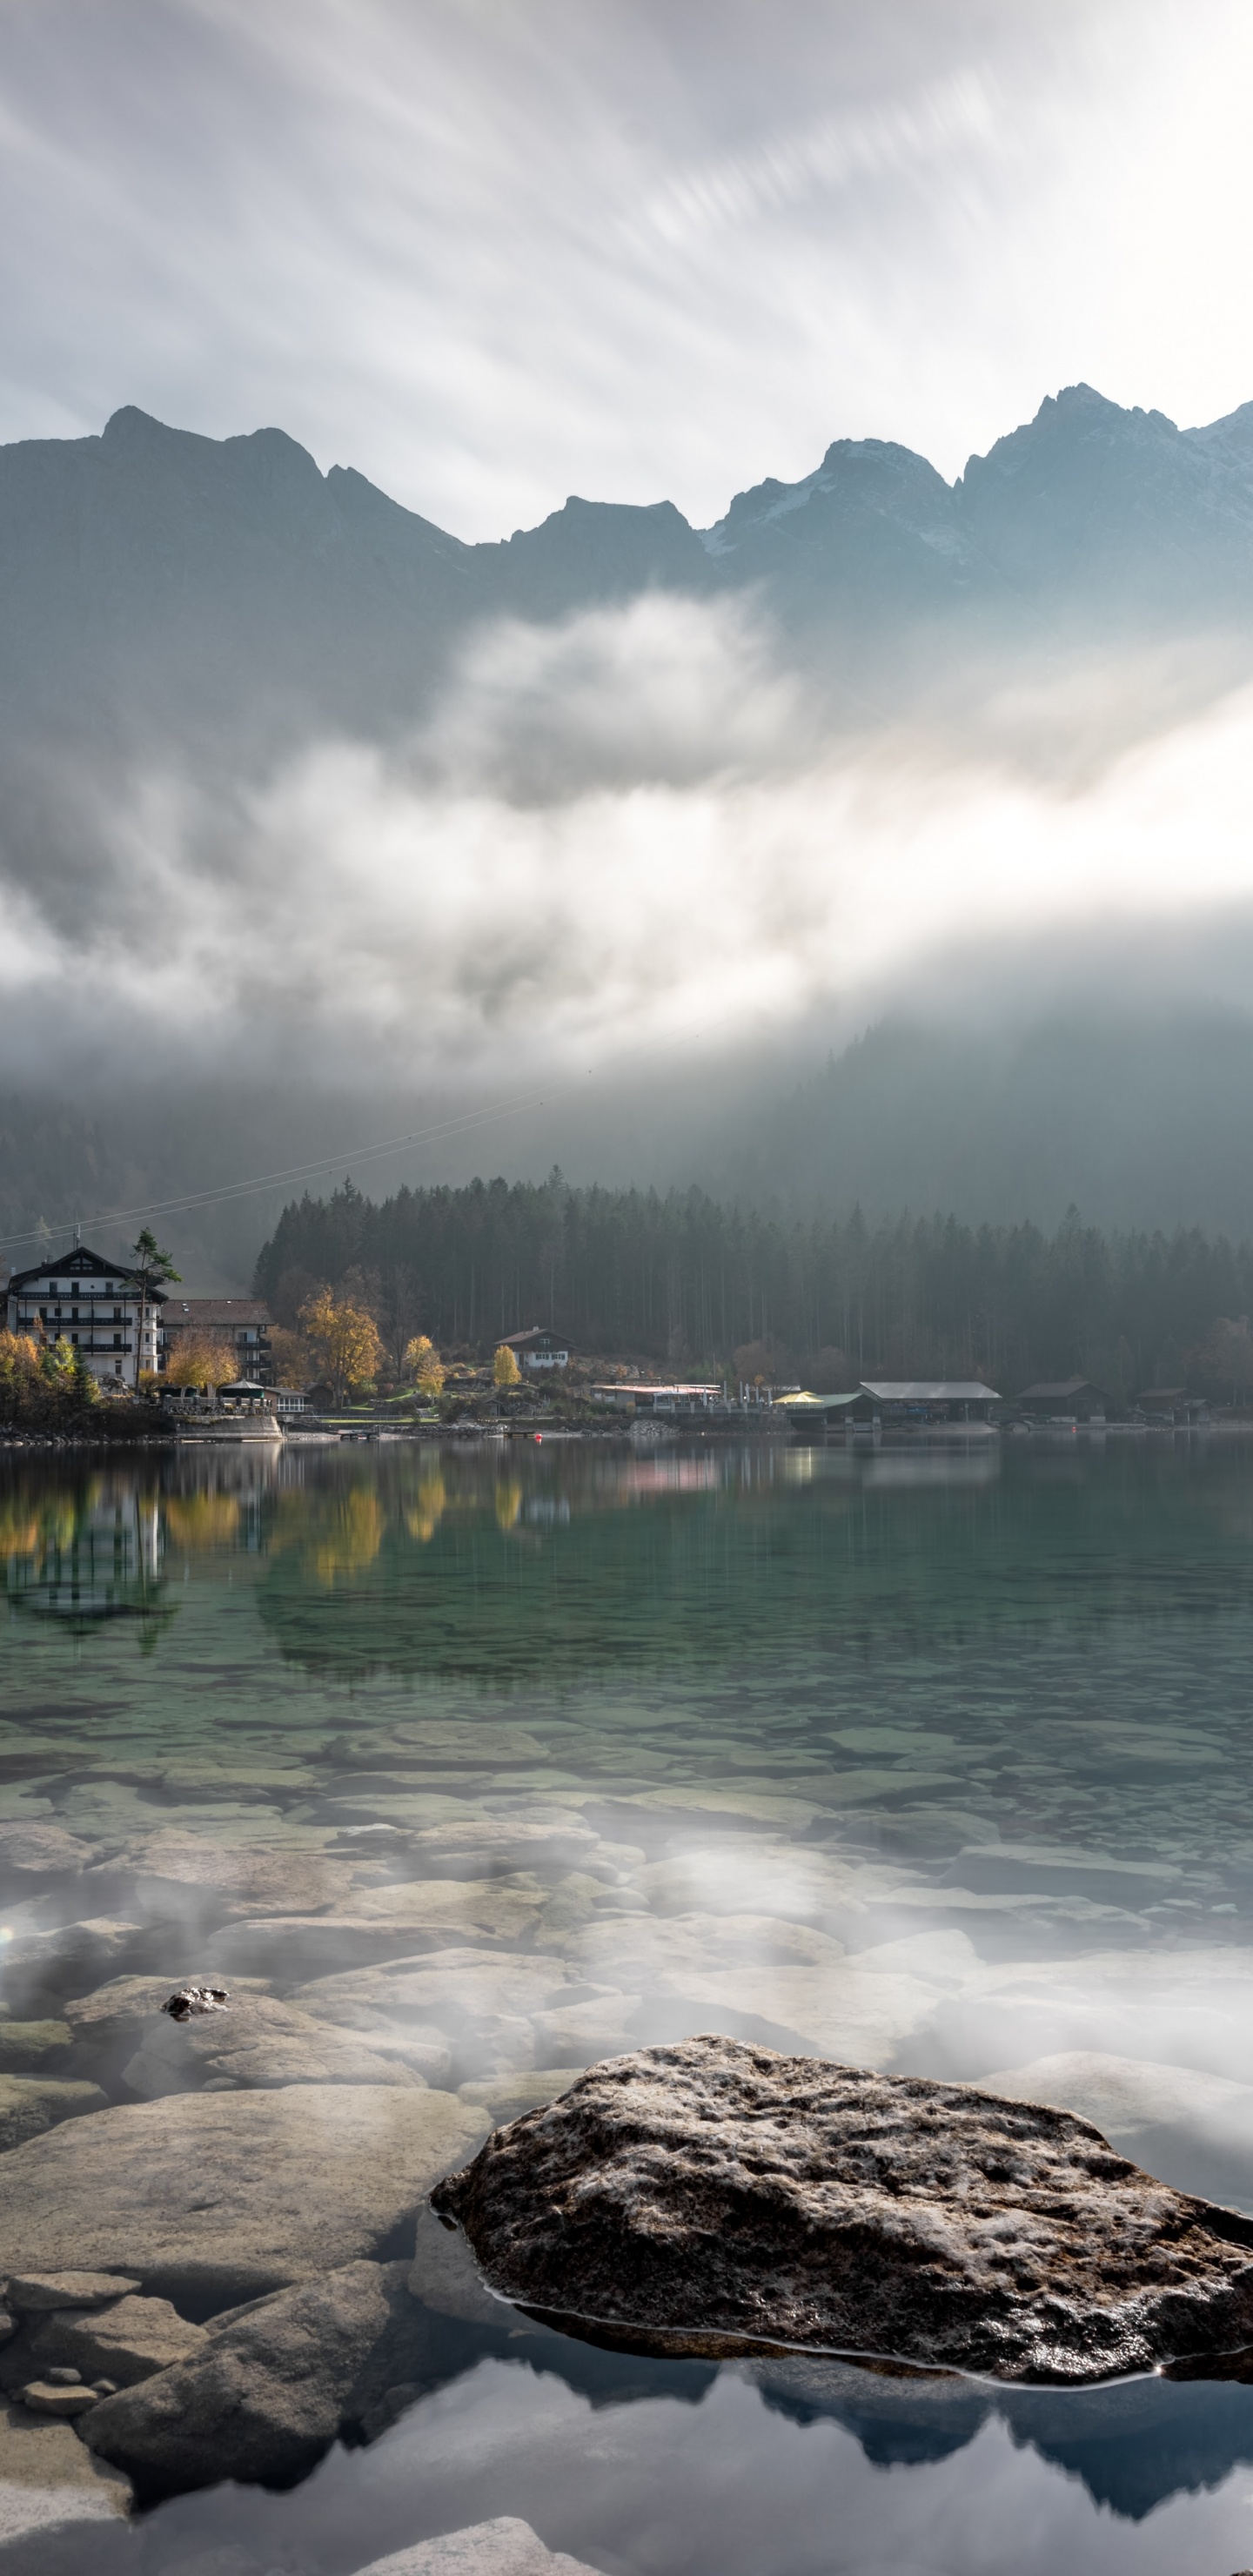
(95, 1305)
(243, 1322)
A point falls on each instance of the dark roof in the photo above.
(1164, 1395)
(930, 1390)
(534, 1333)
(79, 1263)
(216, 1310)
(1062, 1386)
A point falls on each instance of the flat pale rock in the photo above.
(579, 2032)
(387, 1922)
(441, 1742)
(43, 1849)
(36, 2292)
(110, 2023)
(296, 1947)
(455, 1988)
(32, 2103)
(785, 1974)
(41, 2397)
(266, 1878)
(119, 2009)
(219, 2197)
(560, 1841)
(48, 2482)
(1128, 2095)
(457, 1909)
(269, 2390)
(714, 2189)
(72, 1946)
(507, 2097)
(125, 2342)
(505, 2547)
(33, 2047)
(255, 2042)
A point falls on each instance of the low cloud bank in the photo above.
(639, 830)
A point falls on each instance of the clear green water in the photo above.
(938, 1761)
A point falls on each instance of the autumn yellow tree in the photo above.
(290, 1357)
(505, 1369)
(424, 1365)
(199, 1359)
(19, 1362)
(345, 1340)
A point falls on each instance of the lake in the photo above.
(936, 1760)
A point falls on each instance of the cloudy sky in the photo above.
(493, 253)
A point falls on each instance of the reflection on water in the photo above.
(91, 1550)
(492, 1762)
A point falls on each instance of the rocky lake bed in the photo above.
(443, 1865)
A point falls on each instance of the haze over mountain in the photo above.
(318, 822)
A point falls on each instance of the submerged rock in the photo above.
(269, 2388)
(719, 2189)
(30, 2104)
(55, 2397)
(503, 2547)
(444, 2277)
(259, 2044)
(33, 2292)
(127, 2341)
(208, 2198)
(34, 2047)
(46, 1850)
(49, 2485)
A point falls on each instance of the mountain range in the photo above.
(159, 585)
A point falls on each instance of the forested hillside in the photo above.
(687, 1280)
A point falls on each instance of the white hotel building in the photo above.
(92, 1303)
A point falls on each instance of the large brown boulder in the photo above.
(722, 2190)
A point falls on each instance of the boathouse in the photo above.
(937, 1399)
(1067, 1399)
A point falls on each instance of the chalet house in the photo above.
(1066, 1399)
(93, 1304)
(538, 1349)
(244, 1322)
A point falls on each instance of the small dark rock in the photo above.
(65, 2377)
(723, 2189)
(188, 2002)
